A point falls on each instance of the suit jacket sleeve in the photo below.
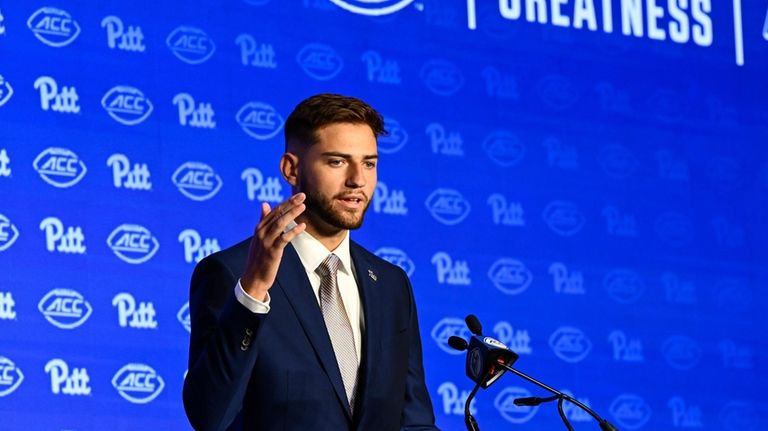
(418, 414)
(221, 353)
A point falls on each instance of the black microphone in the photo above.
(458, 343)
(474, 324)
(487, 358)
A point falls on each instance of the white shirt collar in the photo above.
(312, 252)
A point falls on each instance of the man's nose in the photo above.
(355, 176)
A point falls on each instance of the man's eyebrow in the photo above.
(348, 156)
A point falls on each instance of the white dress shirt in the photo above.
(312, 253)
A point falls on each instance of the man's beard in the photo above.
(321, 207)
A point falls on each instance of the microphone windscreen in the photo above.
(457, 343)
(474, 324)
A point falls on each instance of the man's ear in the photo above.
(289, 167)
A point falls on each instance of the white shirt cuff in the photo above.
(251, 303)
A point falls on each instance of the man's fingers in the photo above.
(286, 237)
(265, 210)
(280, 223)
(283, 208)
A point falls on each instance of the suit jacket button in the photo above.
(249, 331)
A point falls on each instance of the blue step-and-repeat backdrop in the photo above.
(589, 177)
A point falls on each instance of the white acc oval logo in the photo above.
(372, 7)
(197, 181)
(184, 318)
(54, 27)
(570, 344)
(397, 257)
(8, 233)
(10, 376)
(505, 404)
(448, 206)
(126, 105)
(259, 120)
(65, 308)
(190, 44)
(133, 243)
(59, 167)
(447, 327)
(138, 383)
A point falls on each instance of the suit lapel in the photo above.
(292, 279)
(367, 279)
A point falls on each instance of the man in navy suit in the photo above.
(298, 327)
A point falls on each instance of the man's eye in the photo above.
(370, 165)
(335, 162)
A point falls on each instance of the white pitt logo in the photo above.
(6, 91)
(448, 206)
(134, 177)
(372, 7)
(510, 276)
(259, 120)
(6, 306)
(65, 381)
(269, 189)
(5, 164)
(2, 26)
(200, 116)
(10, 376)
(626, 349)
(566, 282)
(127, 105)
(59, 167)
(195, 248)
(65, 308)
(506, 213)
(455, 399)
(54, 27)
(8, 233)
(449, 271)
(190, 44)
(131, 314)
(57, 239)
(395, 140)
(184, 318)
(252, 53)
(132, 243)
(388, 201)
(119, 37)
(444, 142)
(197, 181)
(683, 415)
(381, 70)
(64, 101)
(138, 383)
(518, 340)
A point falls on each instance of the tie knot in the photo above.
(329, 266)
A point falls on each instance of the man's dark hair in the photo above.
(321, 110)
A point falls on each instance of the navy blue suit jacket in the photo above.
(277, 371)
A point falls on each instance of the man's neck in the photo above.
(328, 235)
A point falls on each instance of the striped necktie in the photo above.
(338, 325)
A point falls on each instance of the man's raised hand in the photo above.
(269, 239)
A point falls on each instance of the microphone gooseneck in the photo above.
(495, 358)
